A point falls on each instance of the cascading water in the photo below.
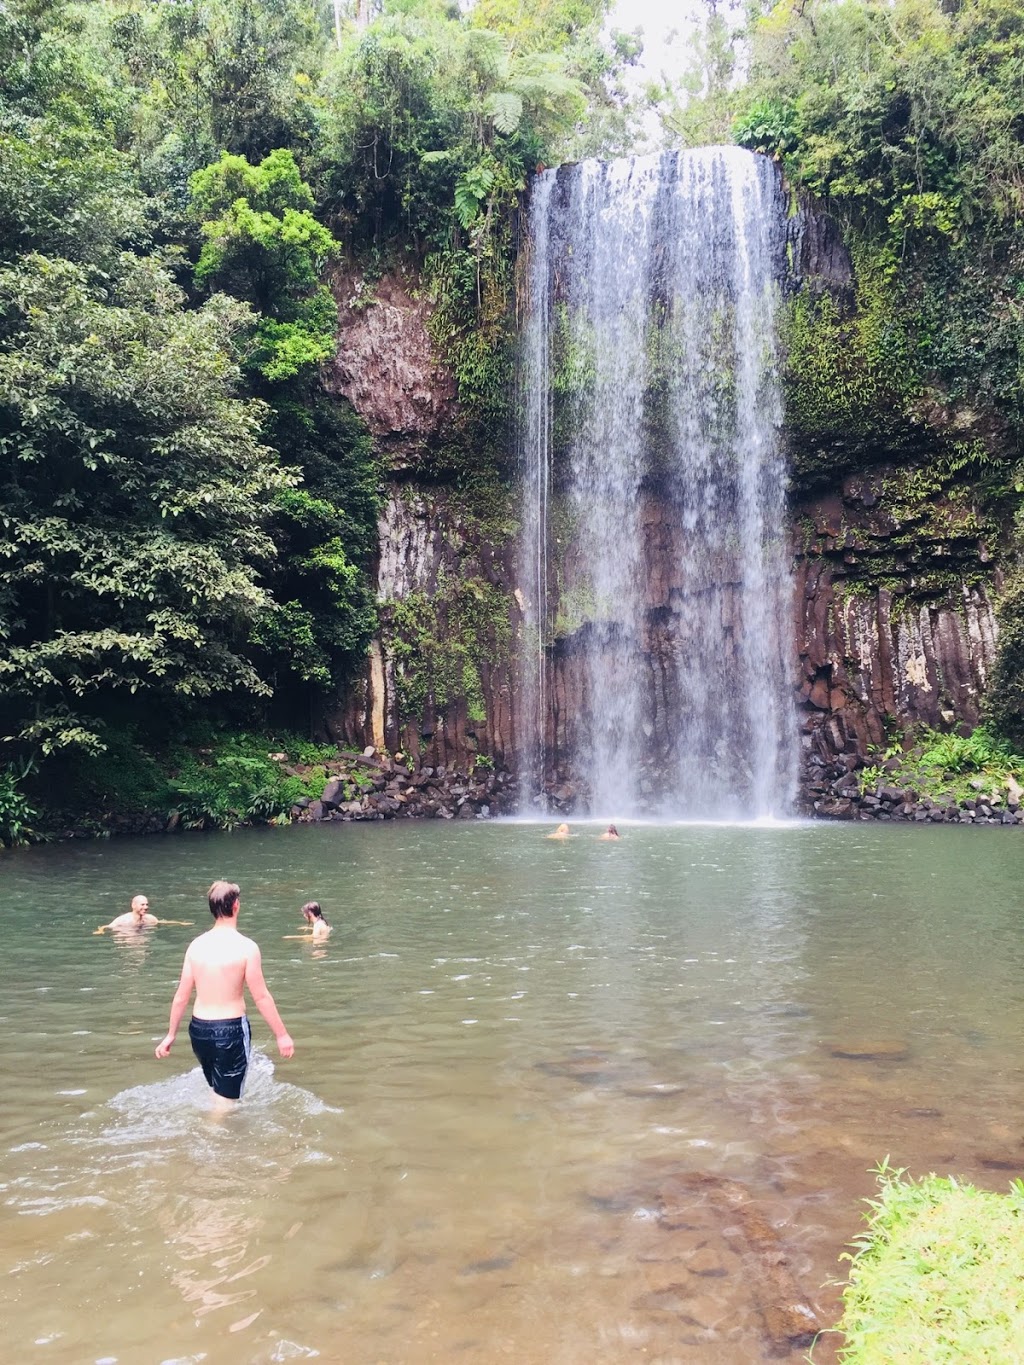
(656, 590)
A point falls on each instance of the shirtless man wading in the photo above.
(218, 964)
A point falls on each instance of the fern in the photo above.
(506, 110)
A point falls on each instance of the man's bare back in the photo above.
(220, 961)
(218, 966)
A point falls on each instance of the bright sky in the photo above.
(666, 26)
(660, 20)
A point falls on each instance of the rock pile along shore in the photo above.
(837, 792)
(372, 786)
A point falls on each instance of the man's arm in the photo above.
(181, 998)
(264, 1002)
(153, 920)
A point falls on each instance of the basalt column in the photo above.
(654, 574)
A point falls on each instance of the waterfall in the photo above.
(655, 573)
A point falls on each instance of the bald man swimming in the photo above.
(138, 917)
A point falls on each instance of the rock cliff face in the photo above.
(386, 367)
(895, 573)
(438, 686)
(894, 618)
(432, 553)
(895, 550)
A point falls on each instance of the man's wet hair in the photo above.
(314, 909)
(222, 897)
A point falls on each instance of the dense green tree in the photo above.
(219, 75)
(325, 532)
(135, 492)
(697, 107)
(262, 243)
(905, 116)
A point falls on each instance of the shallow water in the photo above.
(551, 1102)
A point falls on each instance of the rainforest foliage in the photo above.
(187, 518)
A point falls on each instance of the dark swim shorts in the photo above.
(222, 1049)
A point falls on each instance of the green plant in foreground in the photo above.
(935, 1277)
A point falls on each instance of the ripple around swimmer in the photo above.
(159, 1126)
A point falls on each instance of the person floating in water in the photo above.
(562, 832)
(610, 833)
(137, 918)
(318, 925)
(218, 965)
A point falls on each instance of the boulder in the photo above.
(333, 794)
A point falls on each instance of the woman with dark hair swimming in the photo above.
(318, 925)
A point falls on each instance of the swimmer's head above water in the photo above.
(316, 919)
(223, 898)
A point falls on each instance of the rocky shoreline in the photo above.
(837, 791)
(359, 786)
(376, 786)
(372, 786)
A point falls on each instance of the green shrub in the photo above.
(977, 752)
(235, 783)
(304, 751)
(122, 778)
(955, 766)
(16, 814)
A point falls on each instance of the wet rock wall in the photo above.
(894, 615)
(892, 603)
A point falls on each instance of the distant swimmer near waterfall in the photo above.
(562, 832)
(610, 833)
(218, 964)
(138, 918)
(318, 925)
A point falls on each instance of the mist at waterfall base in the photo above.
(654, 565)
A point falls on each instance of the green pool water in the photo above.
(513, 1056)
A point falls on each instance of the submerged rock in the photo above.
(874, 1050)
